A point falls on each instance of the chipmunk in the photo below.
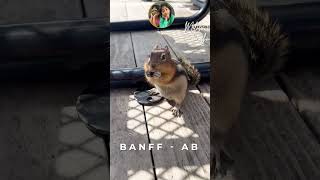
(170, 77)
(246, 44)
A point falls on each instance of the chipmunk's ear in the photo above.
(156, 47)
(166, 47)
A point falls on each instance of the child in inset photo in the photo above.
(155, 16)
(167, 15)
(161, 15)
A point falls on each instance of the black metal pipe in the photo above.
(134, 77)
(179, 22)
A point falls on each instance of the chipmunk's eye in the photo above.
(163, 57)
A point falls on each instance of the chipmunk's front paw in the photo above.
(176, 112)
(153, 92)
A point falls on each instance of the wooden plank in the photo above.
(302, 87)
(97, 8)
(136, 11)
(258, 144)
(121, 51)
(281, 144)
(281, 2)
(206, 21)
(204, 88)
(41, 136)
(239, 147)
(16, 11)
(195, 45)
(128, 127)
(127, 120)
(181, 9)
(257, 137)
(189, 44)
(152, 38)
(146, 5)
(118, 11)
(192, 128)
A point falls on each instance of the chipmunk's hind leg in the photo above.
(229, 84)
(221, 157)
(175, 108)
(171, 102)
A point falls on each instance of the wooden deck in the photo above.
(273, 139)
(277, 138)
(132, 123)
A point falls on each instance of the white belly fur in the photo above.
(176, 90)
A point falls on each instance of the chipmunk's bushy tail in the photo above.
(192, 72)
(268, 45)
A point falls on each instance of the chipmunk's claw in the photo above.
(176, 112)
(221, 159)
(219, 172)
